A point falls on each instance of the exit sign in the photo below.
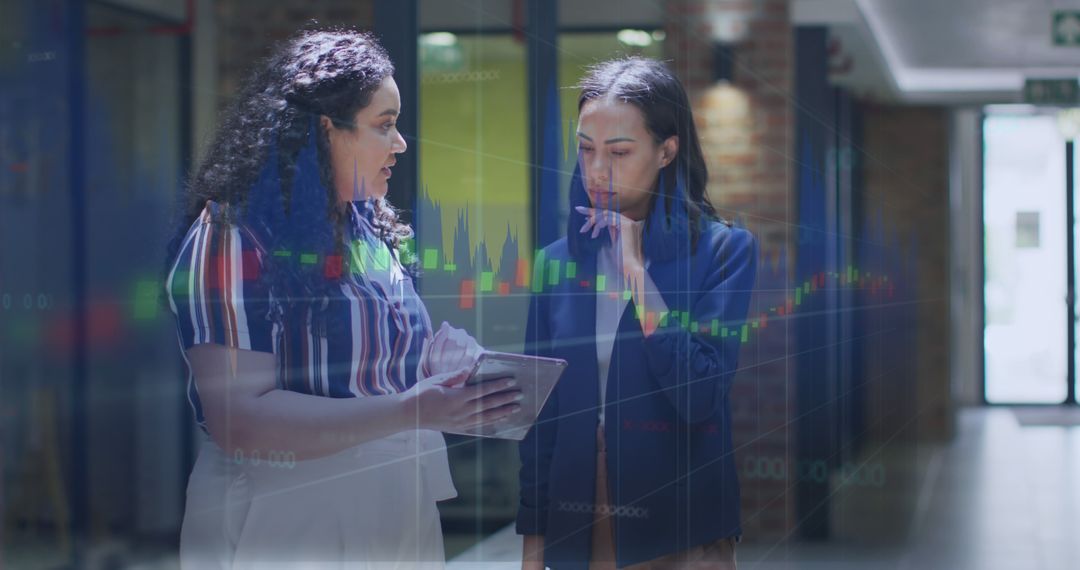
(1065, 28)
(1052, 91)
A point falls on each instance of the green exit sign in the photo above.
(1052, 91)
(1065, 28)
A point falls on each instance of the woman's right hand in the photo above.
(449, 349)
(442, 401)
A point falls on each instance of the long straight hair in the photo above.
(679, 207)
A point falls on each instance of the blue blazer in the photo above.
(672, 476)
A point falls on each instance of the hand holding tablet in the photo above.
(535, 379)
(450, 349)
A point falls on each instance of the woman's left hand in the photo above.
(451, 349)
(627, 236)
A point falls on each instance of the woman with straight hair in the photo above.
(315, 374)
(630, 463)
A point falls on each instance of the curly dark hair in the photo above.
(331, 72)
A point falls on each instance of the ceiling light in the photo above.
(441, 39)
(635, 38)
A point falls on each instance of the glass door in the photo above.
(1074, 151)
(1024, 220)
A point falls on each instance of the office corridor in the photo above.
(889, 369)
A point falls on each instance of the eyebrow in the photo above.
(609, 141)
(388, 113)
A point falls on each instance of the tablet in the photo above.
(536, 377)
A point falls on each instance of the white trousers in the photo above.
(371, 506)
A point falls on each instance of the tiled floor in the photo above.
(1001, 496)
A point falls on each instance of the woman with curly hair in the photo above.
(314, 370)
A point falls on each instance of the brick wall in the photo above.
(746, 129)
(906, 178)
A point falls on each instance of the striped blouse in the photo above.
(215, 292)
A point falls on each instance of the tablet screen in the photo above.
(536, 378)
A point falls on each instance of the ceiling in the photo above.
(976, 33)
(944, 50)
(940, 51)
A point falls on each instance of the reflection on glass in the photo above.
(473, 201)
(473, 224)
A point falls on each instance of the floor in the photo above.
(1000, 496)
